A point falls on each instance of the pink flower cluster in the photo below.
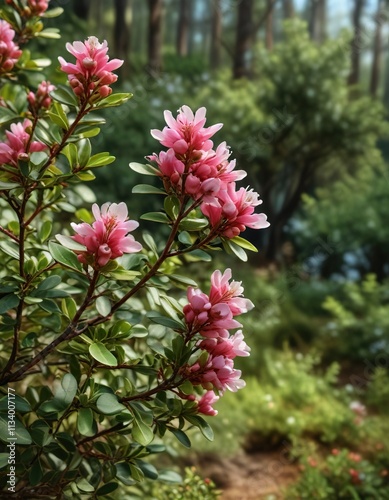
(41, 99)
(92, 75)
(107, 238)
(9, 51)
(212, 316)
(191, 166)
(18, 144)
(38, 7)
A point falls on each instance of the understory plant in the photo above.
(107, 347)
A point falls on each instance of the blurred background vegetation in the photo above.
(302, 88)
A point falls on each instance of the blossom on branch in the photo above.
(235, 211)
(107, 238)
(204, 405)
(9, 51)
(192, 167)
(92, 75)
(37, 7)
(18, 144)
(212, 316)
(41, 98)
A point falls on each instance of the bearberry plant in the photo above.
(107, 347)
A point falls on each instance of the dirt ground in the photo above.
(250, 476)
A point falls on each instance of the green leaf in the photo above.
(234, 249)
(49, 283)
(85, 486)
(3, 460)
(149, 240)
(84, 151)
(67, 390)
(200, 255)
(8, 302)
(124, 275)
(109, 405)
(64, 256)
(71, 153)
(21, 404)
(85, 421)
(182, 279)
(8, 185)
(204, 427)
(58, 116)
(165, 321)
(141, 433)
(156, 217)
(170, 476)
(35, 475)
(20, 433)
(68, 242)
(193, 224)
(144, 169)
(100, 159)
(7, 116)
(171, 205)
(181, 436)
(103, 306)
(114, 100)
(99, 352)
(106, 489)
(52, 33)
(38, 158)
(45, 231)
(185, 238)
(10, 249)
(244, 243)
(147, 189)
(54, 12)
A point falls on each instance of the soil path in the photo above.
(250, 476)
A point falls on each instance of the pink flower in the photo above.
(16, 146)
(235, 211)
(217, 373)
(186, 133)
(38, 7)
(41, 99)
(230, 347)
(171, 169)
(92, 74)
(224, 291)
(204, 405)
(213, 315)
(9, 51)
(108, 237)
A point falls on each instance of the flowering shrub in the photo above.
(342, 474)
(102, 354)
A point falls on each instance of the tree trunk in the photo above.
(288, 8)
(216, 34)
(318, 20)
(122, 35)
(377, 51)
(356, 43)
(155, 36)
(81, 9)
(244, 32)
(183, 28)
(269, 26)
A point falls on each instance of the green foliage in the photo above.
(331, 215)
(377, 391)
(359, 325)
(342, 474)
(291, 398)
